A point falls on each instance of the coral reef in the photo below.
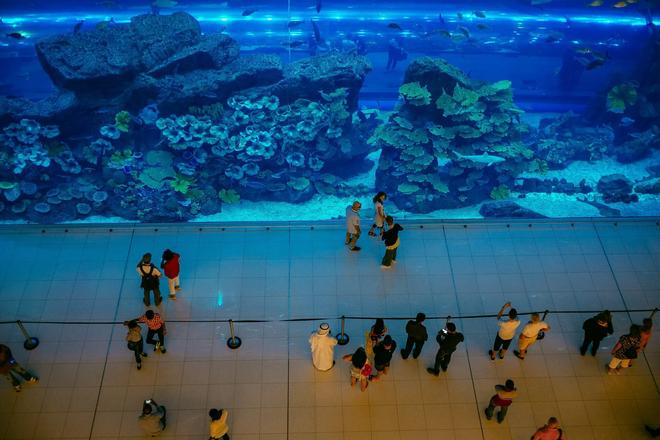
(451, 141)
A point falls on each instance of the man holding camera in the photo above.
(153, 419)
(448, 339)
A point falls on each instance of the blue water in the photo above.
(141, 115)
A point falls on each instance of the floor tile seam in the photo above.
(625, 305)
(107, 355)
(458, 309)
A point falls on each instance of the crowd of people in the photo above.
(372, 360)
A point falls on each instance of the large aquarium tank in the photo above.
(187, 111)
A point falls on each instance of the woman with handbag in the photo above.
(135, 342)
(625, 350)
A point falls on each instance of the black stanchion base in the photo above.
(342, 339)
(234, 342)
(31, 343)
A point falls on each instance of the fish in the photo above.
(442, 32)
(626, 121)
(596, 3)
(78, 26)
(583, 50)
(318, 6)
(594, 64)
(108, 4)
(465, 31)
(620, 4)
(486, 159)
(248, 12)
(479, 14)
(482, 27)
(165, 3)
(16, 35)
(553, 37)
(293, 44)
(294, 23)
(394, 26)
(459, 16)
(317, 33)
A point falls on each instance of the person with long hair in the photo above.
(379, 214)
(360, 368)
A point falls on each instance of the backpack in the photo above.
(149, 280)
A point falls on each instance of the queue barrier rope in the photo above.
(325, 318)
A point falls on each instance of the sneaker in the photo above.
(393, 261)
(157, 346)
(356, 248)
(33, 379)
(402, 355)
(172, 297)
(162, 350)
(432, 371)
(518, 355)
(139, 366)
(500, 354)
(17, 388)
(491, 353)
(583, 352)
(382, 266)
(487, 416)
(177, 287)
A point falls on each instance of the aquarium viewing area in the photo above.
(329, 219)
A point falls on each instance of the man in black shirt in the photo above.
(391, 239)
(417, 335)
(448, 339)
(383, 354)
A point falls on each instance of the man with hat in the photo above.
(323, 348)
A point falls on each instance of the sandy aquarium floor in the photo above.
(90, 388)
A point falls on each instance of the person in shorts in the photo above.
(353, 226)
(529, 334)
(506, 332)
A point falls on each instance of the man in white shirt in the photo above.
(506, 332)
(323, 348)
(529, 334)
(353, 225)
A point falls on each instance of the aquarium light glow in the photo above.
(210, 15)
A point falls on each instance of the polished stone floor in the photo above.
(90, 387)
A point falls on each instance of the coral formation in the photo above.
(473, 129)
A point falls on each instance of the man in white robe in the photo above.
(323, 348)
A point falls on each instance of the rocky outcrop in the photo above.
(214, 51)
(107, 59)
(651, 186)
(308, 77)
(616, 188)
(507, 209)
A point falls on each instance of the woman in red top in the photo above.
(170, 264)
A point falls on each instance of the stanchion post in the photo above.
(30, 342)
(342, 337)
(234, 341)
(653, 313)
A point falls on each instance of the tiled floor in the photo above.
(90, 388)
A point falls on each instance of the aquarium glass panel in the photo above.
(167, 111)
